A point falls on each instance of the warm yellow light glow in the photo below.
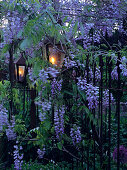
(21, 71)
(52, 60)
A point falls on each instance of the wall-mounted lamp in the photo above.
(20, 69)
(56, 54)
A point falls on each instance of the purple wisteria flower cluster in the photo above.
(122, 154)
(56, 87)
(3, 117)
(92, 92)
(90, 73)
(80, 64)
(15, 24)
(59, 121)
(106, 98)
(11, 135)
(45, 106)
(92, 95)
(18, 158)
(68, 63)
(82, 83)
(32, 77)
(97, 74)
(41, 153)
(43, 75)
(53, 72)
(123, 66)
(114, 74)
(75, 134)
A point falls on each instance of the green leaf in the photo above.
(25, 44)
(82, 94)
(37, 1)
(65, 19)
(75, 28)
(67, 92)
(6, 48)
(59, 145)
(82, 28)
(51, 17)
(47, 125)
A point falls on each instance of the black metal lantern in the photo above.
(20, 69)
(56, 54)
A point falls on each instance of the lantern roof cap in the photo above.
(20, 61)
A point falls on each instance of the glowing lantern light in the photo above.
(52, 60)
(56, 55)
(20, 69)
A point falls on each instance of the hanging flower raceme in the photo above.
(45, 106)
(52, 72)
(11, 135)
(75, 134)
(97, 74)
(89, 74)
(92, 95)
(69, 63)
(32, 77)
(18, 158)
(82, 83)
(14, 25)
(106, 98)
(59, 121)
(3, 117)
(56, 87)
(114, 74)
(43, 76)
(122, 154)
(92, 92)
(123, 66)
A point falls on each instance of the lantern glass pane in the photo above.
(21, 72)
(56, 57)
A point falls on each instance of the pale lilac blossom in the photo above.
(59, 121)
(41, 153)
(18, 157)
(10, 132)
(75, 134)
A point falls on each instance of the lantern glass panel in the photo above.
(21, 73)
(55, 56)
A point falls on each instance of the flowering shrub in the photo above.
(70, 101)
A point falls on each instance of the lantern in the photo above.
(20, 69)
(56, 55)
